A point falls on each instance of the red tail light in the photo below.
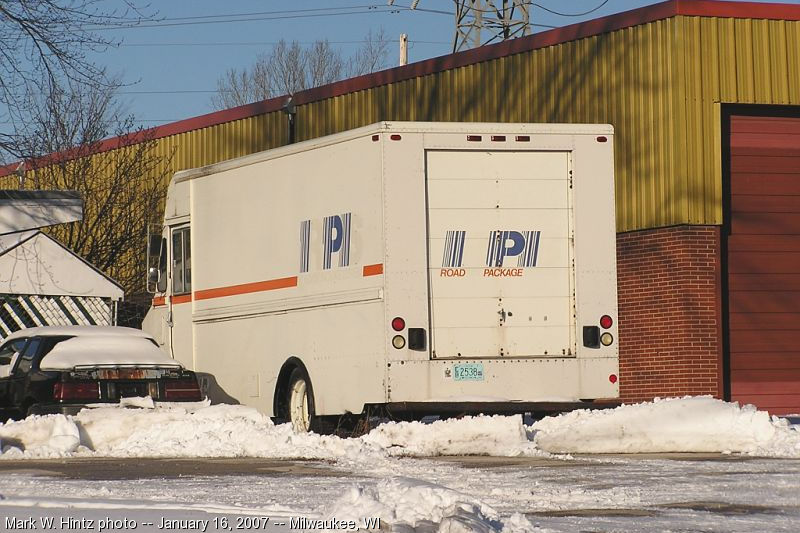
(76, 390)
(186, 389)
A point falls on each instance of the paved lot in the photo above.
(608, 493)
(98, 469)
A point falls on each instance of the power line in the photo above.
(543, 8)
(264, 43)
(278, 12)
(177, 91)
(251, 19)
(540, 6)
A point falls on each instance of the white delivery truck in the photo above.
(416, 267)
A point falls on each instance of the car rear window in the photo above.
(27, 356)
(37, 348)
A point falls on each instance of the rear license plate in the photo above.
(468, 372)
(130, 390)
(128, 373)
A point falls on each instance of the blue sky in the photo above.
(172, 65)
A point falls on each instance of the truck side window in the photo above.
(181, 262)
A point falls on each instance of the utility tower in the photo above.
(480, 22)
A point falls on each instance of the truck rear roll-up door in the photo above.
(501, 255)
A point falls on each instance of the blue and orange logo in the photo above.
(335, 242)
(502, 244)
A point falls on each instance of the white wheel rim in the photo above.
(298, 407)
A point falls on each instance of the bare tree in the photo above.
(372, 55)
(324, 64)
(289, 68)
(286, 66)
(44, 40)
(239, 87)
(122, 184)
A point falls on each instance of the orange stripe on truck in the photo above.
(373, 270)
(181, 298)
(158, 301)
(245, 288)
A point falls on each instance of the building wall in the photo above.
(660, 84)
(669, 312)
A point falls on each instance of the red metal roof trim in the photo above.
(635, 17)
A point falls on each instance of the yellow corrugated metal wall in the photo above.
(625, 78)
(728, 61)
(660, 84)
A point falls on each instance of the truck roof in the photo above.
(399, 127)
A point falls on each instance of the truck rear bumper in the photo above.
(508, 380)
(536, 409)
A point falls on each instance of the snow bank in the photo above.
(678, 425)
(691, 424)
(52, 436)
(484, 435)
(216, 431)
(413, 505)
(238, 431)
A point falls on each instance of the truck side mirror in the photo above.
(156, 260)
(152, 276)
(153, 244)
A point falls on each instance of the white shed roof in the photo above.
(25, 210)
(34, 263)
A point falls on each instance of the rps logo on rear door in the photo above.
(502, 244)
(335, 242)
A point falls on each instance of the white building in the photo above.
(41, 281)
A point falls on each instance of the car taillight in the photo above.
(186, 389)
(76, 390)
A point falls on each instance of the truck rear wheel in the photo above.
(299, 402)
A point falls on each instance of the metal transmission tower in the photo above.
(480, 22)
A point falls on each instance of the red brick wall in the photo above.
(669, 312)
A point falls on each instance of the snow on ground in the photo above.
(409, 503)
(377, 475)
(619, 494)
(692, 424)
(237, 431)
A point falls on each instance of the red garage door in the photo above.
(764, 262)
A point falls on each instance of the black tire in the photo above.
(28, 408)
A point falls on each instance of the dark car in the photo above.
(63, 369)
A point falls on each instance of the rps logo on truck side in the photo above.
(335, 241)
(502, 244)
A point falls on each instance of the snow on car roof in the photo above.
(105, 350)
(77, 331)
